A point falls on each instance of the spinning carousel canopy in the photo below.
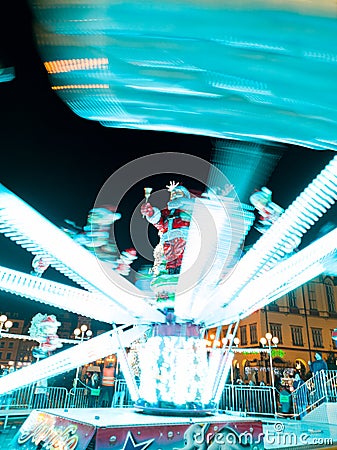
(224, 69)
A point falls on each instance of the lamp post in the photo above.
(271, 342)
(5, 324)
(82, 334)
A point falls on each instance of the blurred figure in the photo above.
(93, 383)
(44, 329)
(285, 400)
(39, 265)
(96, 237)
(268, 210)
(269, 213)
(300, 397)
(317, 365)
(298, 381)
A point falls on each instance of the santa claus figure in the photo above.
(268, 211)
(172, 223)
(44, 329)
(96, 237)
(39, 265)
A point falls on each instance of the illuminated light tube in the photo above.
(80, 86)
(129, 378)
(291, 273)
(71, 299)
(200, 255)
(267, 251)
(41, 237)
(216, 354)
(70, 65)
(207, 255)
(229, 355)
(307, 274)
(84, 353)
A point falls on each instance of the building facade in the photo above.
(9, 348)
(302, 320)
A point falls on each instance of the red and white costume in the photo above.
(172, 223)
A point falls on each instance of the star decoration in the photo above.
(130, 443)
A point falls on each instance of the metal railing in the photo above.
(245, 399)
(320, 388)
(242, 399)
(37, 397)
(34, 397)
(77, 398)
(122, 397)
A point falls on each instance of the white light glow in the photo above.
(223, 375)
(217, 229)
(86, 352)
(263, 341)
(308, 207)
(55, 294)
(173, 370)
(26, 227)
(286, 276)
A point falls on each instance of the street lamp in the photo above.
(270, 341)
(5, 324)
(82, 334)
(236, 341)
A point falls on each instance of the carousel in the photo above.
(109, 66)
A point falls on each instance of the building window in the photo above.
(312, 297)
(0, 355)
(330, 296)
(2, 345)
(297, 336)
(253, 333)
(243, 335)
(273, 306)
(317, 337)
(334, 343)
(15, 325)
(276, 330)
(10, 344)
(292, 301)
(8, 355)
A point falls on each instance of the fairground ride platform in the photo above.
(126, 429)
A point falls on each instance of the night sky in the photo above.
(57, 162)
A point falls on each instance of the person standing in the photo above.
(285, 400)
(318, 368)
(300, 396)
(318, 365)
(108, 385)
(94, 389)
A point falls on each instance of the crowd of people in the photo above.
(295, 391)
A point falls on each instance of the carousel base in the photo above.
(123, 428)
(175, 412)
